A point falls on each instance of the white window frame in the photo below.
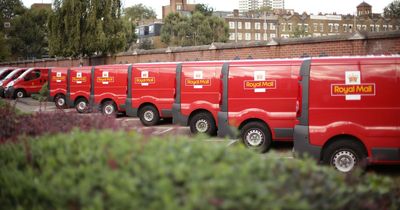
(257, 36)
(239, 26)
(247, 36)
(231, 25)
(272, 26)
(247, 25)
(257, 25)
(240, 36)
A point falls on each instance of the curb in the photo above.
(32, 102)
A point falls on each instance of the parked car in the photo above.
(29, 82)
(10, 77)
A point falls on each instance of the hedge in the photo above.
(119, 170)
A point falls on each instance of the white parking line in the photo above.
(163, 131)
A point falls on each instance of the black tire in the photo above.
(82, 105)
(203, 122)
(19, 93)
(149, 115)
(109, 108)
(256, 136)
(345, 155)
(60, 102)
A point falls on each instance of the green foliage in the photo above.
(43, 93)
(299, 32)
(146, 44)
(198, 29)
(204, 9)
(4, 48)
(83, 28)
(117, 170)
(139, 12)
(28, 35)
(392, 10)
(10, 8)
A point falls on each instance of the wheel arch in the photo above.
(247, 121)
(197, 111)
(339, 137)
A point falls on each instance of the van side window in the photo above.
(33, 75)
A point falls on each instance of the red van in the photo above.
(31, 81)
(10, 77)
(109, 89)
(350, 111)
(259, 101)
(198, 95)
(79, 88)
(151, 91)
(58, 81)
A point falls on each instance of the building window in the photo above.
(257, 26)
(371, 28)
(358, 27)
(257, 36)
(7, 25)
(248, 36)
(151, 29)
(306, 27)
(364, 27)
(299, 26)
(178, 7)
(321, 27)
(231, 25)
(336, 27)
(377, 28)
(240, 36)
(239, 25)
(272, 26)
(247, 25)
(384, 27)
(273, 35)
(390, 27)
(350, 28)
(315, 27)
(330, 25)
(289, 27)
(345, 28)
(265, 26)
(231, 36)
(265, 36)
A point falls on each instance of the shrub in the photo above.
(13, 124)
(43, 93)
(118, 170)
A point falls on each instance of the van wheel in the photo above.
(256, 136)
(82, 105)
(19, 93)
(345, 155)
(60, 102)
(149, 115)
(203, 123)
(109, 108)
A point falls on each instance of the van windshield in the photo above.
(25, 73)
(11, 75)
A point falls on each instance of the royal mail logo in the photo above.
(58, 79)
(361, 89)
(353, 89)
(198, 82)
(105, 80)
(149, 80)
(252, 84)
(79, 80)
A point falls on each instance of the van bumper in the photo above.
(302, 145)
(9, 92)
(224, 130)
(68, 100)
(130, 111)
(177, 117)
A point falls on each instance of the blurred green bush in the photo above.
(119, 170)
(43, 93)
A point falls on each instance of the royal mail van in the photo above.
(259, 101)
(109, 89)
(198, 95)
(10, 77)
(79, 88)
(58, 82)
(31, 81)
(151, 91)
(350, 111)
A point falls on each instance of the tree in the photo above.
(28, 36)
(10, 8)
(204, 9)
(146, 44)
(299, 32)
(4, 48)
(392, 10)
(87, 27)
(139, 12)
(198, 29)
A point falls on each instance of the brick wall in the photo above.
(344, 45)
